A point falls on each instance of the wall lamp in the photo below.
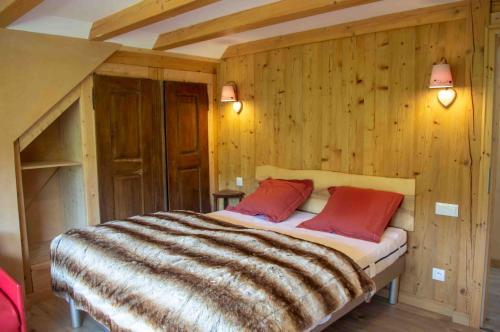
(229, 94)
(441, 79)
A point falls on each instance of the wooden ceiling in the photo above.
(148, 12)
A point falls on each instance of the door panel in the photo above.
(126, 143)
(127, 195)
(130, 146)
(187, 146)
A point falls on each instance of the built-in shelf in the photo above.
(48, 164)
(39, 253)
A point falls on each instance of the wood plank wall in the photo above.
(362, 105)
(495, 6)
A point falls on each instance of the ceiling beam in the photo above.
(158, 59)
(274, 13)
(11, 10)
(141, 14)
(427, 15)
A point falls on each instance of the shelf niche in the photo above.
(53, 192)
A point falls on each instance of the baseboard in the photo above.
(460, 318)
(495, 263)
(429, 305)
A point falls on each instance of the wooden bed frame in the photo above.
(403, 219)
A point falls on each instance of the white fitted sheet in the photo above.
(373, 257)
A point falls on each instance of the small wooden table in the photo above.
(226, 194)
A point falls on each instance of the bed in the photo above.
(245, 273)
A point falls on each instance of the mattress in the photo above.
(370, 256)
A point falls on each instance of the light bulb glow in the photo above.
(446, 97)
(237, 105)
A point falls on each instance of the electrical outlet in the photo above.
(445, 209)
(239, 181)
(438, 274)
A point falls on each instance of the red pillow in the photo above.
(276, 199)
(355, 212)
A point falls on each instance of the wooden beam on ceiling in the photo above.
(274, 13)
(141, 14)
(428, 15)
(158, 59)
(11, 10)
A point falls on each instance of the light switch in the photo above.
(239, 181)
(438, 274)
(445, 209)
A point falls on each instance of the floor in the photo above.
(492, 321)
(52, 315)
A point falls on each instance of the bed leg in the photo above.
(76, 319)
(394, 291)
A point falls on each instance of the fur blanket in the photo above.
(183, 271)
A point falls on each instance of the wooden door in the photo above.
(187, 146)
(129, 126)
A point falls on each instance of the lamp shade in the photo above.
(441, 76)
(228, 93)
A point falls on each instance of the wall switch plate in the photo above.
(438, 274)
(445, 209)
(239, 181)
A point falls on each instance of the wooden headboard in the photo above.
(404, 218)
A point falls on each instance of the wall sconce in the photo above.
(229, 94)
(441, 79)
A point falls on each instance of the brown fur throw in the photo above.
(183, 271)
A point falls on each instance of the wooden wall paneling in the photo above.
(336, 140)
(233, 131)
(292, 116)
(403, 100)
(89, 151)
(72, 193)
(459, 164)
(70, 135)
(221, 128)
(493, 103)
(312, 103)
(348, 92)
(365, 88)
(382, 102)
(277, 90)
(495, 6)
(417, 263)
(245, 81)
(264, 133)
(377, 116)
(480, 132)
